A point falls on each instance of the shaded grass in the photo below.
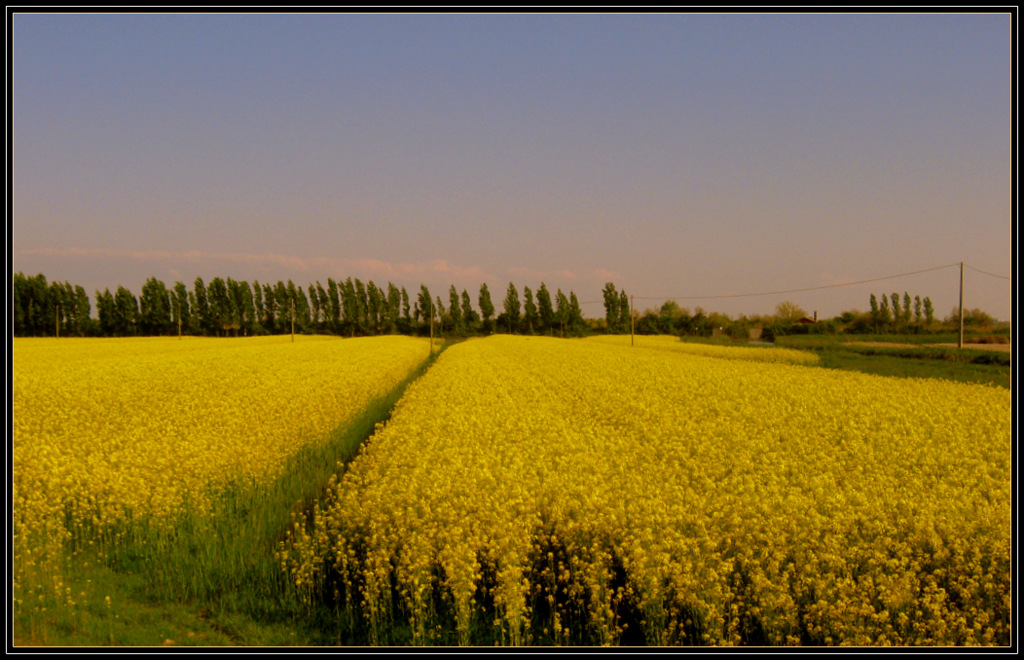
(920, 361)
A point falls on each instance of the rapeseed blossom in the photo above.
(112, 432)
(567, 491)
(672, 343)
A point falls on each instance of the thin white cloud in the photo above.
(366, 268)
(461, 272)
(535, 274)
(597, 275)
(166, 255)
(606, 275)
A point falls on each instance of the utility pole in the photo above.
(631, 323)
(960, 344)
(178, 305)
(56, 322)
(431, 327)
(293, 319)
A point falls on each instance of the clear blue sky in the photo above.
(674, 155)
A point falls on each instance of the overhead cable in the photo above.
(978, 270)
(812, 288)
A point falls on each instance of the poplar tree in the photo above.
(362, 306)
(245, 307)
(297, 295)
(486, 306)
(377, 304)
(561, 310)
(426, 306)
(371, 307)
(575, 320)
(154, 308)
(221, 310)
(80, 301)
(40, 306)
(611, 308)
(126, 312)
(106, 312)
(314, 304)
(394, 308)
(29, 305)
(406, 324)
(269, 309)
(334, 305)
(512, 307)
(325, 308)
(544, 309)
(469, 317)
(455, 309)
(182, 313)
(236, 312)
(203, 313)
(529, 309)
(56, 309)
(440, 312)
(350, 306)
(624, 312)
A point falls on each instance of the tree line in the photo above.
(671, 319)
(888, 314)
(891, 316)
(228, 307)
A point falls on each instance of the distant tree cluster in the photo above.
(49, 309)
(893, 314)
(226, 307)
(617, 310)
(972, 317)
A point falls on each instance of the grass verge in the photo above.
(919, 361)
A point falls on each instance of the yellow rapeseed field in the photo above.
(109, 431)
(565, 491)
(672, 343)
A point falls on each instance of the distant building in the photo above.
(807, 321)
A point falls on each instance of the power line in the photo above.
(812, 288)
(978, 270)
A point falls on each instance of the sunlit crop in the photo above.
(670, 343)
(557, 491)
(112, 432)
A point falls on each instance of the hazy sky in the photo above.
(674, 155)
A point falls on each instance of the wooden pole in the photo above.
(631, 323)
(431, 327)
(293, 319)
(960, 343)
